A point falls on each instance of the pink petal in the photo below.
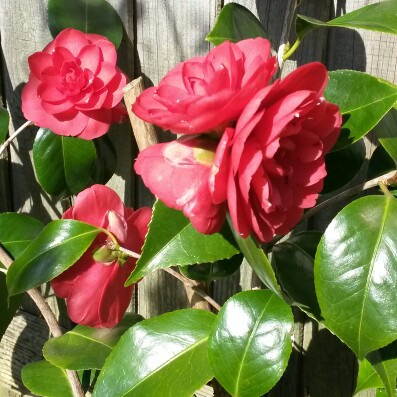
(49, 93)
(38, 62)
(90, 57)
(98, 123)
(107, 47)
(72, 39)
(92, 205)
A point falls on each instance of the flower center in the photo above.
(74, 78)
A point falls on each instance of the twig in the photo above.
(13, 136)
(389, 178)
(51, 321)
(195, 286)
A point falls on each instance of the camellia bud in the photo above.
(105, 255)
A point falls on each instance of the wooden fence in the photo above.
(158, 34)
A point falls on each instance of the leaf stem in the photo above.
(51, 321)
(290, 11)
(384, 189)
(194, 285)
(292, 50)
(113, 238)
(129, 252)
(14, 135)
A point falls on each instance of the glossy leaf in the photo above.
(163, 356)
(386, 132)
(89, 16)
(293, 261)
(367, 377)
(8, 306)
(343, 165)
(363, 101)
(384, 361)
(382, 393)
(380, 163)
(59, 246)
(356, 274)
(250, 344)
(44, 379)
(208, 272)
(17, 231)
(172, 240)
(235, 23)
(4, 124)
(380, 17)
(84, 347)
(106, 160)
(258, 260)
(62, 164)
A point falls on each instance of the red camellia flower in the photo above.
(267, 169)
(74, 86)
(94, 290)
(207, 93)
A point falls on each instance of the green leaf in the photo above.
(367, 377)
(386, 132)
(343, 165)
(84, 347)
(208, 272)
(380, 163)
(384, 361)
(250, 344)
(8, 306)
(173, 241)
(89, 16)
(381, 17)
(258, 260)
(4, 124)
(44, 379)
(62, 164)
(17, 231)
(382, 393)
(293, 261)
(163, 356)
(106, 160)
(362, 99)
(356, 274)
(235, 23)
(58, 246)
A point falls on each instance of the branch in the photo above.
(51, 321)
(195, 286)
(14, 135)
(389, 178)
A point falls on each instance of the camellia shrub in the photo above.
(251, 156)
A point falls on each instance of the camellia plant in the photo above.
(252, 154)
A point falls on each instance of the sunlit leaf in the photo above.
(356, 274)
(60, 244)
(163, 356)
(44, 379)
(380, 17)
(172, 240)
(363, 100)
(250, 344)
(85, 347)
